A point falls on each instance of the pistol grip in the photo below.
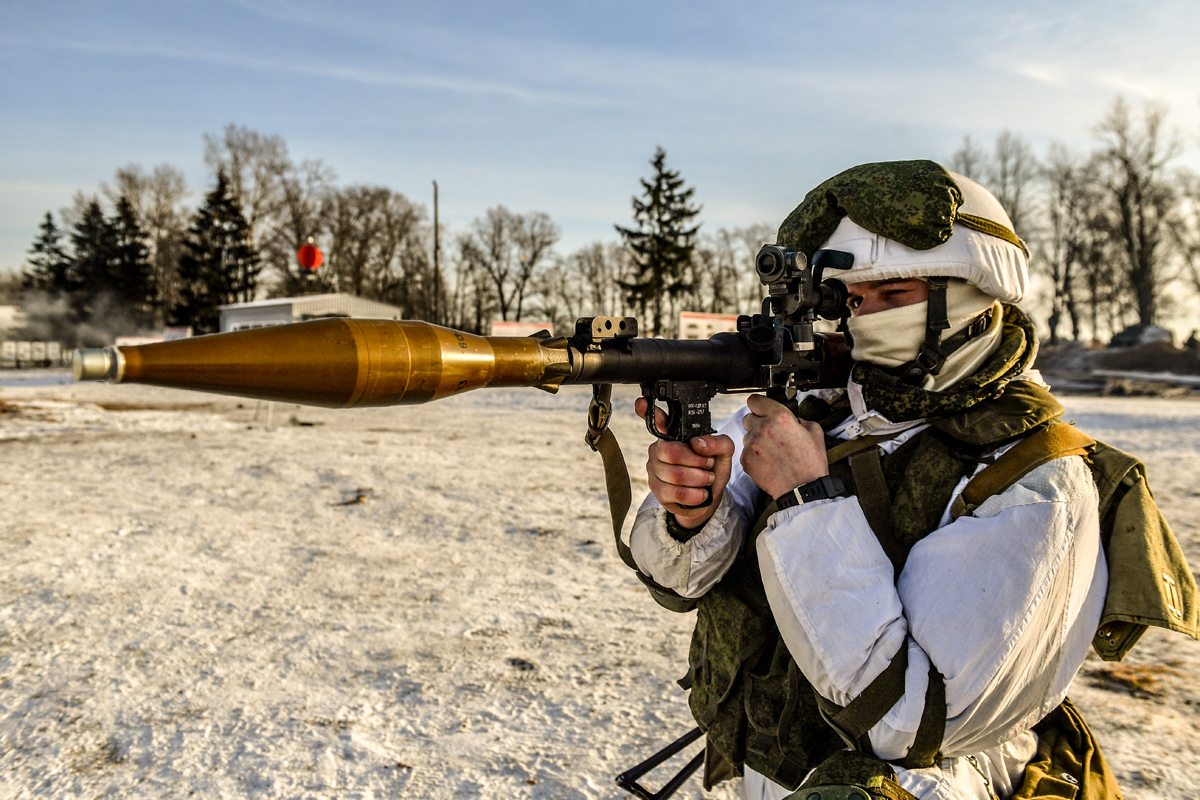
(687, 416)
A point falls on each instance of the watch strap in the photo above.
(822, 488)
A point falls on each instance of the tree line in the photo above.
(1110, 230)
(135, 258)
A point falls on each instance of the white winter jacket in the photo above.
(1004, 602)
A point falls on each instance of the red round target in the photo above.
(309, 256)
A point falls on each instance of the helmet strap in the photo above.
(931, 356)
(934, 352)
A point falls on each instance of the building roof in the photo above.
(282, 301)
(322, 304)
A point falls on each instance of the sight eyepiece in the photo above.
(833, 296)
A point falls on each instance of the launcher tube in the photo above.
(724, 359)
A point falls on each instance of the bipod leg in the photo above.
(628, 780)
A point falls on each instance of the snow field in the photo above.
(413, 602)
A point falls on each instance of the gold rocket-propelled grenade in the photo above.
(337, 363)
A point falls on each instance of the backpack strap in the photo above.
(875, 499)
(1054, 440)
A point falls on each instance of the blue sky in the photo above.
(557, 107)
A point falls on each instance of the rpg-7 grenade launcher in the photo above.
(343, 363)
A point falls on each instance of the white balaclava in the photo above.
(892, 338)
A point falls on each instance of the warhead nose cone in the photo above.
(95, 364)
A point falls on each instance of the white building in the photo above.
(285, 310)
(699, 325)
(11, 318)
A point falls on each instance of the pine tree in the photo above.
(662, 243)
(219, 265)
(131, 274)
(94, 246)
(49, 263)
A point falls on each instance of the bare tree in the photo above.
(593, 267)
(304, 192)
(748, 241)
(971, 161)
(254, 164)
(1070, 196)
(1109, 303)
(707, 278)
(1013, 170)
(508, 248)
(605, 268)
(69, 216)
(1135, 156)
(1185, 230)
(474, 301)
(353, 221)
(535, 235)
(405, 276)
(377, 247)
(725, 273)
(560, 295)
(156, 199)
(1008, 172)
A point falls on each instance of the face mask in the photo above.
(888, 338)
(894, 337)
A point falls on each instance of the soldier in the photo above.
(848, 621)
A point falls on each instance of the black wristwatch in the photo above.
(820, 489)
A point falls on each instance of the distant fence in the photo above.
(33, 354)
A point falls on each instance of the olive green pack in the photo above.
(1149, 582)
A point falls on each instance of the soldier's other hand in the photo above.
(678, 472)
(779, 451)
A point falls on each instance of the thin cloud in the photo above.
(325, 69)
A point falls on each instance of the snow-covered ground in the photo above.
(418, 602)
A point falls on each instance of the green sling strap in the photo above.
(616, 479)
(616, 474)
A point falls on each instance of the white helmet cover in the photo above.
(999, 268)
(958, 228)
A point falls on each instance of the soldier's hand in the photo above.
(679, 471)
(779, 451)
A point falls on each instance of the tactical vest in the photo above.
(758, 710)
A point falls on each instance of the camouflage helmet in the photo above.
(912, 219)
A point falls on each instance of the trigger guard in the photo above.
(652, 422)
